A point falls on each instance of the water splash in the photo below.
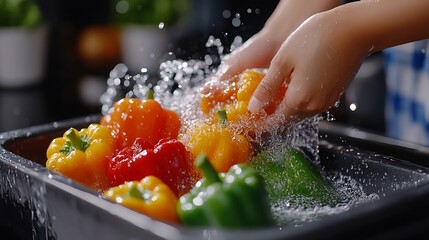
(179, 88)
(26, 194)
(350, 191)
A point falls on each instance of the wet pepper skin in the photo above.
(132, 118)
(233, 199)
(223, 146)
(149, 196)
(234, 97)
(290, 175)
(168, 160)
(83, 155)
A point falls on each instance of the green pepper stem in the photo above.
(209, 172)
(76, 141)
(150, 94)
(138, 193)
(222, 116)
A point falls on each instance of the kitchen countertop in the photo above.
(20, 108)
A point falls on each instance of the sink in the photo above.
(38, 204)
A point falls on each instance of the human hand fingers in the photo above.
(277, 74)
(256, 52)
(321, 58)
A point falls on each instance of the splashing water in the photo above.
(350, 191)
(179, 88)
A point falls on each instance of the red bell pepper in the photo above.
(132, 118)
(168, 160)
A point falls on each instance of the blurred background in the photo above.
(56, 55)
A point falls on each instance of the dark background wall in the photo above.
(59, 95)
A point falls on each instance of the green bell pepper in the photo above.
(237, 198)
(290, 176)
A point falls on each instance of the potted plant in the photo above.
(22, 43)
(145, 29)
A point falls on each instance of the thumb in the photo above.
(268, 87)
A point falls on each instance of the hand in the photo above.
(256, 52)
(259, 50)
(317, 61)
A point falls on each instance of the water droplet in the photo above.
(236, 22)
(226, 13)
(337, 103)
(329, 116)
(122, 7)
(116, 81)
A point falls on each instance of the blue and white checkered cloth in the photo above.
(407, 92)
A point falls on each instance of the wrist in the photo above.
(347, 23)
(377, 25)
(290, 14)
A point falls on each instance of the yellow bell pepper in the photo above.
(247, 84)
(221, 144)
(83, 155)
(222, 92)
(150, 196)
(235, 97)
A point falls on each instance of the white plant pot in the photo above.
(143, 46)
(22, 56)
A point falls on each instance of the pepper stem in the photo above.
(209, 172)
(76, 141)
(138, 193)
(150, 94)
(222, 116)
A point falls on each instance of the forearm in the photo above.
(385, 23)
(289, 14)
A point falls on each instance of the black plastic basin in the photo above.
(37, 204)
